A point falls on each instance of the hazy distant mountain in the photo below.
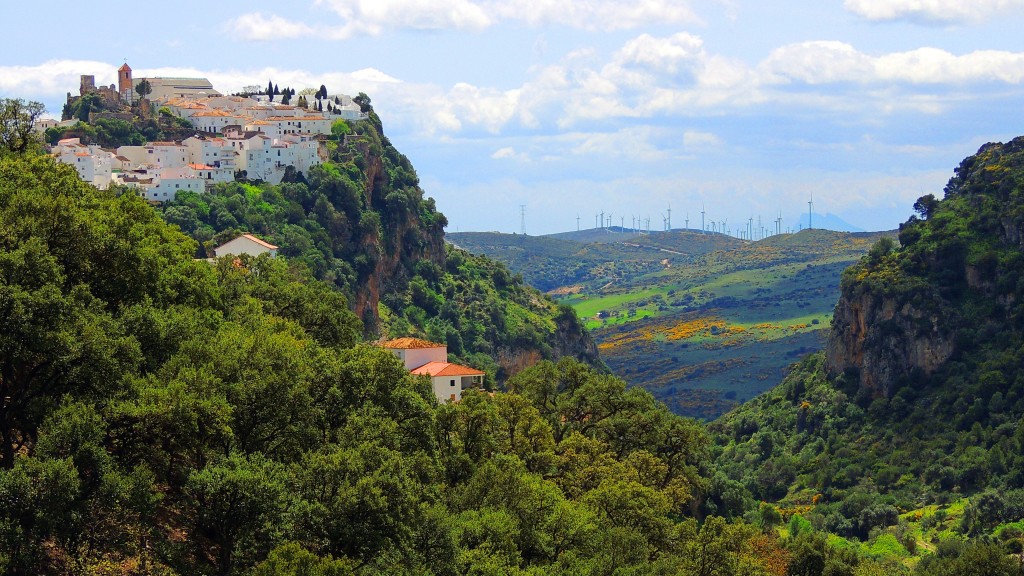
(828, 222)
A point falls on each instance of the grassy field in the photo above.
(702, 321)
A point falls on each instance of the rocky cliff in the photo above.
(953, 285)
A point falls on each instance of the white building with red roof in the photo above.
(430, 359)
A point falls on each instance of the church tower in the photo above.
(124, 82)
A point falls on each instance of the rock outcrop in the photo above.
(884, 342)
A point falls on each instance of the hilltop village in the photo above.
(253, 136)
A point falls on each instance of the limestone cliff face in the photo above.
(954, 287)
(884, 342)
(400, 232)
(398, 243)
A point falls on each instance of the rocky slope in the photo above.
(906, 313)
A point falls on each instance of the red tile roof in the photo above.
(409, 343)
(258, 241)
(445, 369)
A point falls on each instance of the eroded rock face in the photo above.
(884, 342)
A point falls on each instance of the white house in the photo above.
(430, 359)
(245, 244)
(306, 151)
(213, 158)
(170, 181)
(214, 120)
(92, 163)
(160, 154)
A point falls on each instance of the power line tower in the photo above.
(522, 219)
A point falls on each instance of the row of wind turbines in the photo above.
(642, 225)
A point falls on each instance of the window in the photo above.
(453, 383)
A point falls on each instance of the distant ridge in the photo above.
(827, 222)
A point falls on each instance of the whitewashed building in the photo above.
(430, 359)
(214, 158)
(92, 163)
(160, 154)
(245, 244)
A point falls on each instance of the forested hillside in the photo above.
(919, 399)
(361, 223)
(163, 414)
(166, 415)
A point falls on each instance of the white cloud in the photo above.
(510, 153)
(666, 55)
(374, 17)
(256, 26)
(836, 62)
(606, 15)
(934, 11)
(694, 140)
(53, 78)
(635, 143)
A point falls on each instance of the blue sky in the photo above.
(743, 108)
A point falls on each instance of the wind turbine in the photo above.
(668, 225)
(702, 218)
(810, 213)
(687, 220)
(577, 221)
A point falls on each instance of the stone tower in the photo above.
(124, 82)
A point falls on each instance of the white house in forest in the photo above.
(423, 358)
(245, 244)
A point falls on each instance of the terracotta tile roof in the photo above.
(409, 344)
(212, 114)
(445, 369)
(258, 241)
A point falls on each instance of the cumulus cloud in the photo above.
(257, 26)
(54, 77)
(931, 11)
(837, 62)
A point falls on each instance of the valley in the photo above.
(702, 321)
